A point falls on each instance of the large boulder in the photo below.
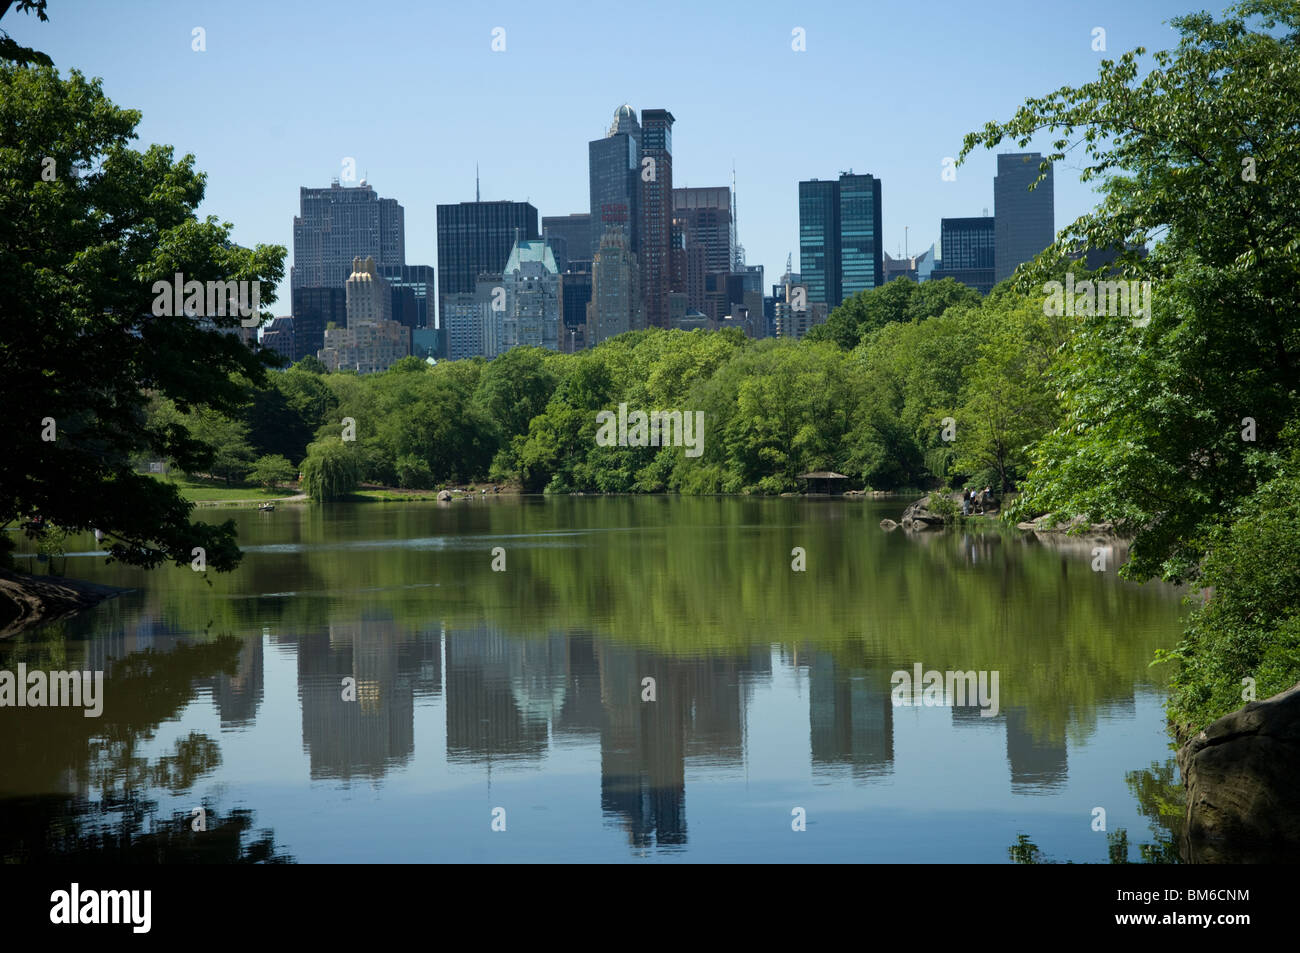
(918, 517)
(1243, 784)
(444, 496)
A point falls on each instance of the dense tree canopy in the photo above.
(81, 351)
(1201, 155)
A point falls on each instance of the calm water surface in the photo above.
(523, 690)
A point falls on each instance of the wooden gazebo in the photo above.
(822, 481)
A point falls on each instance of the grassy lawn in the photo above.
(394, 496)
(216, 491)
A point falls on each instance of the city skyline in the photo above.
(787, 124)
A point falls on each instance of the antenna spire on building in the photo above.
(476, 195)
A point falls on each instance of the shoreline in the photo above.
(28, 601)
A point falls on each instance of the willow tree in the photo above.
(331, 471)
(1171, 422)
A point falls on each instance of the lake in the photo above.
(648, 678)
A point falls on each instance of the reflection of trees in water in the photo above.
(714, 574)
(127, 829)
(1161, 798)
(59, 750)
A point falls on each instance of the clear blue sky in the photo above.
(415, 93)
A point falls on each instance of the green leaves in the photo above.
(1151, 437)
(331, 471)
(81, 344)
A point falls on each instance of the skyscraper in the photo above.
(614, 166)
(462, 322)
(1025, 219)
(861, 249)
(819, 240)
(706, 217)
(615, 303)
(575, 295)
(413, 286)
(369, 297)
(372, 341)
(653, 246)
(532, 296)
(278, 336)
(569, 237)
(476, 237)
(840, 248)
(338, 224)
(968, 252)
(314, 309)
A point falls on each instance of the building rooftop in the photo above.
(534, 249)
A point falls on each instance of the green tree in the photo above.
(82, 349)
(899, 300)
(1250, 627)
(232, 456)
(413, 473)
(10, 50)
(1007, 404)
(514, 388)
(271, 470)
(1202, 152)
(332, 470)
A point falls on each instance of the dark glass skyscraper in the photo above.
(475, 237)
(840, 249)
(413, 288)
(654, 246)
(1025, 219)
(313, 309)
(575, 294)
(862, 265)
(569, 237)
(614, 165)
(819, 240)
(968, 252)
(338, 224)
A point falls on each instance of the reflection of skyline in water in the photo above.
(510, 699)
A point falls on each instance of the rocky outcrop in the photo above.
(27, 601)
(1077, 525)
(1243, 784)
(917, 516)
(444, 496)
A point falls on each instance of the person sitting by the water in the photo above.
(979, 502)
(988, 497)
